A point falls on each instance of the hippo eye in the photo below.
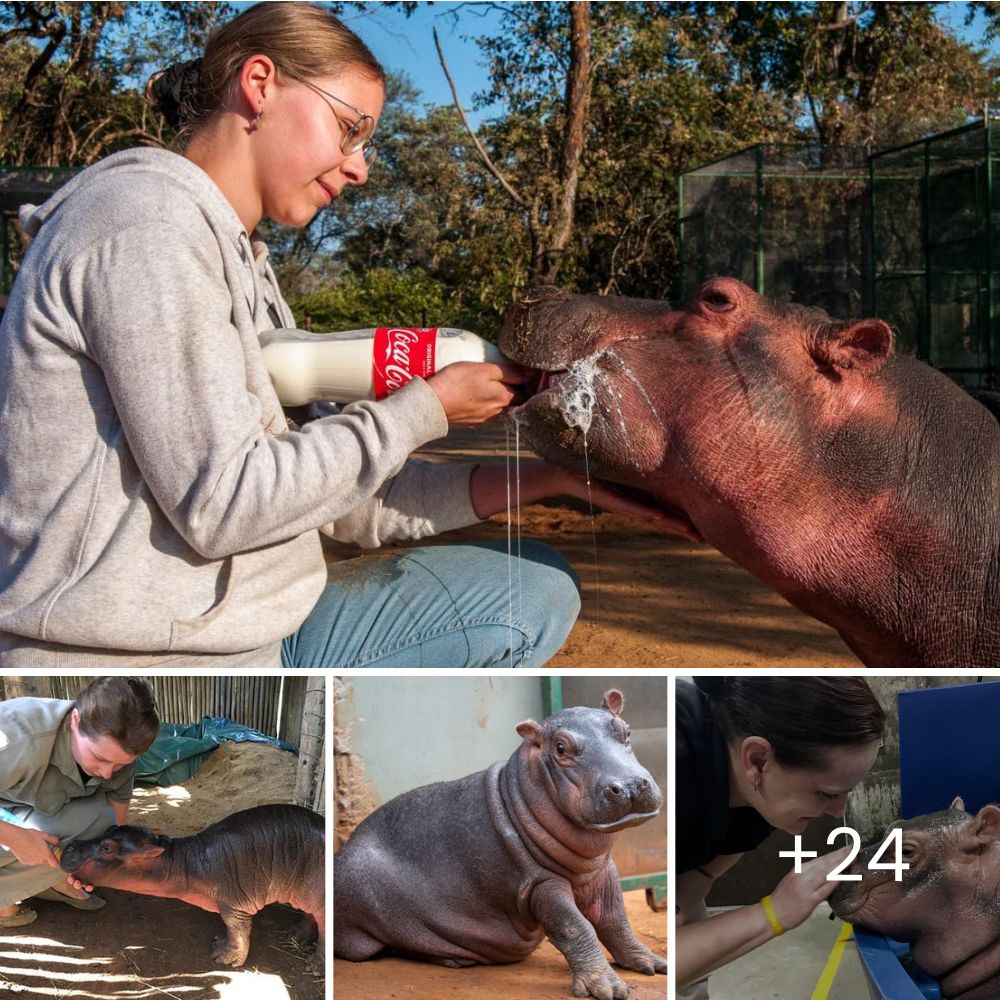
(560, 747)
(107, 848)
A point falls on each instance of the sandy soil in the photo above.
(653, 600)
(138, 946)
(544, 975)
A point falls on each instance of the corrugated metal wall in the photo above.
(271, 705)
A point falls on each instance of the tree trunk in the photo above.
(553, 240)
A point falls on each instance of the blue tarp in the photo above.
(179, 751)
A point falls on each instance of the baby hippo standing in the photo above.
(236, 867)
(483, 868)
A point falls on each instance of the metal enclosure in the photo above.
(906, 234)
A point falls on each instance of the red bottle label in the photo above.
(401, 354)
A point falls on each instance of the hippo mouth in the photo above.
(572, 391)
(632, 819)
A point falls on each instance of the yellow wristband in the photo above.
(772, 917)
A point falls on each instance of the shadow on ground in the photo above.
(138, 946)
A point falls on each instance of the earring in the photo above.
(255, 124)
(756, 785)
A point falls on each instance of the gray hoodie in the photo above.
(154, 504)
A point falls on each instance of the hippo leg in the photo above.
(611, 923)
(305, 930)
(232, 947)
(318, 961)
(553, 906)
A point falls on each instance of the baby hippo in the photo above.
(946, 906)
(483, 868)
(236, 867)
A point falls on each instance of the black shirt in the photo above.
(706, 825)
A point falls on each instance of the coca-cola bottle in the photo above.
(363, 364)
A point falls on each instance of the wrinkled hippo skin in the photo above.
(236, 867)
(947, 906)
(479, 870)
(862, 485)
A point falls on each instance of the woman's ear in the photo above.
(257, 77)
(754, 753)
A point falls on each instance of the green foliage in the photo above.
(379, 297)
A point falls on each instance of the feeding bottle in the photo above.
(363, 364)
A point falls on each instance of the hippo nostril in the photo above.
(718, 301)
(615, 789)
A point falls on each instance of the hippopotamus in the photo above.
(946, 906)
(861, 484)
(481, 869)
(236, 867)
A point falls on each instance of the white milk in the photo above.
(363, 364)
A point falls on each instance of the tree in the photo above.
(72, 75)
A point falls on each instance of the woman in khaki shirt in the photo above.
(66, 770)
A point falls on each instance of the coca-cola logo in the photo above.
(399, 354)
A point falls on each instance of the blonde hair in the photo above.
(303, 40)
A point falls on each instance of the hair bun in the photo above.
(714, 687)
(171, 90)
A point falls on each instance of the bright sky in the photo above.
(405, 44)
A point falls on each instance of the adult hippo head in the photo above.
(862, 485)
(947, 903)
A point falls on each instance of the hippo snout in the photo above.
(628, 801)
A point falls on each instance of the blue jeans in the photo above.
(440, 606)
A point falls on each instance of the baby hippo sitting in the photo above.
(236, 867)
(483, 868)
(947, 906)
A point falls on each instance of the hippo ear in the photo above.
(531, 731)
(957, 804)
(986, 825)
(613, 701)
(148, 853)
(865, 345)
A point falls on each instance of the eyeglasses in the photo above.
(356, 136)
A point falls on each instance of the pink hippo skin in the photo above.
(481, 869)
(236, 867)
(861, 485)
(947, 905)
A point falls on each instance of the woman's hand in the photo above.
(30, 847)
(798, 895)
(605, 496)
(541, 480)
(473, 392)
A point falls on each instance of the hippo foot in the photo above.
(454, 963)
(228, 954)
(644, 960)
(315, 966)
(603, 984)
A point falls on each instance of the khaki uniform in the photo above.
(41, 787)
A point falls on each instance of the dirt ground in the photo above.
(653, 600)
(544, 975)
(138, 946)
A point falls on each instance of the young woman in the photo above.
(757, 754)
(65, 772)
(155, 505)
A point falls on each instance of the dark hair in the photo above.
(302, 39)
(801, 717)
(123, 708)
